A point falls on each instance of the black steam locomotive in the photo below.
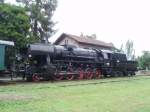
(69, 62)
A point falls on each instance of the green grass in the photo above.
(125, 96)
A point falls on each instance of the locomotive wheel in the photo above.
(120, 74)
(29, 78)
(125, 73)
(130, 73)
(133, 73)
(69, 76)
(58, 77)
(81, 74)
(98, 74)
(89, 73)
(117, 74)
(35, 77)
(114, 74)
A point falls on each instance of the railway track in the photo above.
(124, 79)
(65, 83)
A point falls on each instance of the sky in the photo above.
(113, 21)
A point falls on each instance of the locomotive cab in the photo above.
(116, 64)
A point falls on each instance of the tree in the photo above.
(144, 60)
(1, 1)
(121, 50)
(14, 25)
(41, 12)
(129, 49)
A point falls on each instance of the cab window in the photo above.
(105, 55)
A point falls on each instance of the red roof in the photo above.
(84, 40)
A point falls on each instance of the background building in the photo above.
(82, 41)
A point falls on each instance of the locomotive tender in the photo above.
(70, 62)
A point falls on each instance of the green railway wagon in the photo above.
(3, 45)
(2, 57)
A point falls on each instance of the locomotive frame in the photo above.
(69, 62)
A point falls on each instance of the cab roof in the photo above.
(3, 42)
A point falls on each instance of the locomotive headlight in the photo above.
(29, 55)
(108, 64)
(118, 61)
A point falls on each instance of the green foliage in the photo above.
(144, 60)
(41, 12)
(14, 25)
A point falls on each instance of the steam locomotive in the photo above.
(56, 62)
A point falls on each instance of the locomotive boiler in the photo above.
(69, 62)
